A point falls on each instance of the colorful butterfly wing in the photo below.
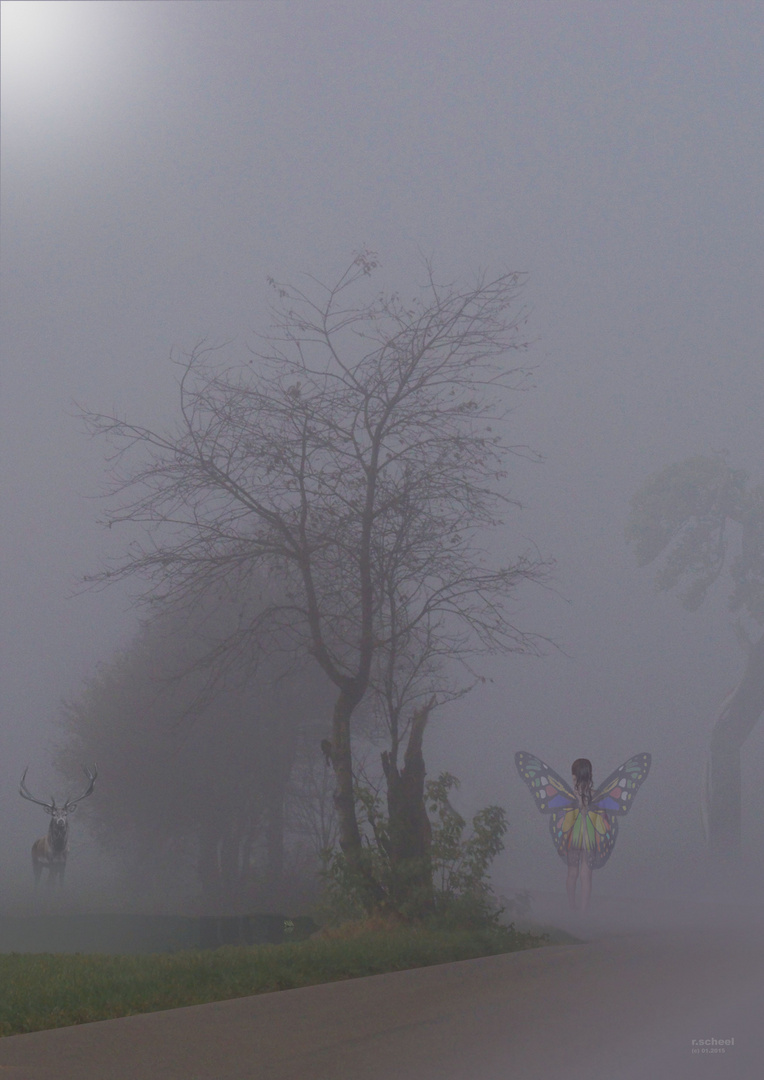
(604, 831)
(550, 792)
(565, 829)
(617, 793)
(552, 796)
(592, 834)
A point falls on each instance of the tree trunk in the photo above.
(735, 723)
(208, 869)
(344, 799)
(409, 828)
(230, 869)
(344, 803)
(275, 845)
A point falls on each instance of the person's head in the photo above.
(582, 771)
(582, 775)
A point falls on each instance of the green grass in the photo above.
(39, 991)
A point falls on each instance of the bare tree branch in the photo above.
(359, 456)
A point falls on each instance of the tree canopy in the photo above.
(687, 512)
(702, 515)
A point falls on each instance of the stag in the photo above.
(50, 851)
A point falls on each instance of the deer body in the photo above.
(50, 851)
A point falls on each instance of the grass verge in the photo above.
(40, 991)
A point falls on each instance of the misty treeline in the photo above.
(213, 786)
(702, 516)
(358, 461)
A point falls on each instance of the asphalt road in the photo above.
(627, 1004)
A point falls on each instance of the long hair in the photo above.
(582, 774)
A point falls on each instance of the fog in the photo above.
(159, 160)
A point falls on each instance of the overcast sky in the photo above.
(160, 159)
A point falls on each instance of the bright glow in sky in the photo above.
(32, 30)
(50, 46)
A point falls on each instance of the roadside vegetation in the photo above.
(318, 507)
(41, 991)
(44, 990)
(449, 879)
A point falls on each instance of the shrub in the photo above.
(456, 889)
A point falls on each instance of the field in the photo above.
(45, 991)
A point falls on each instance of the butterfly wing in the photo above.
(617, 793)
(550, 792)
(596, 831)
(602, 832)
(552, 796)
(612, 800)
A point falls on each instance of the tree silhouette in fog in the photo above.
(701, 516)
(205, 785)
(359, 457)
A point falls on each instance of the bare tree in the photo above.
(359, 455)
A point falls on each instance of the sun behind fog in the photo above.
(43, 39)
(31, 30)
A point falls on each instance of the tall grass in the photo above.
(46, 991)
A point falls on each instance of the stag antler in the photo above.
(71, 803)
(26, 793)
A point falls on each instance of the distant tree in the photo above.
(692, 512)
(359, 457)
(198, 783)
(310, 810)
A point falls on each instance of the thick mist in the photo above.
(161, 159)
